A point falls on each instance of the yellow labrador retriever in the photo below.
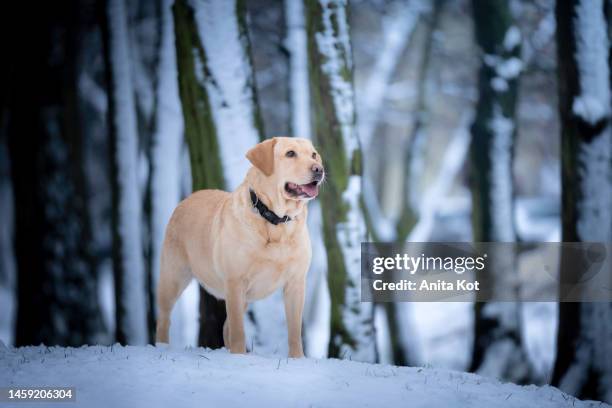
(242, 246)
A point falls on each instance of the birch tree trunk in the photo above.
(220, 111)
(128, 256)
(144, 33)
(498, 350)
(331, 87)
(57, 302)
(166, 143)
(583, 364)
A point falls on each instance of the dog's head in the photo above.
(290, 164)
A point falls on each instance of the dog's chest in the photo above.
(271, 272)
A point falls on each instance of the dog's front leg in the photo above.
(293, 295)
(234, 304)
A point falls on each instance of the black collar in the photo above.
(265, 212)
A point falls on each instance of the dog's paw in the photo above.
(296, 354)
(238, 349)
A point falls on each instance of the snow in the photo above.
(127, 171)
(539, 321)
(445, 333)
(150, 376)
(357, 316)
(317, 304)
(509, 68)
(593, 223)
(499, 84)
(502, 129)
(335, 47)
(594, 214)
(589, 108)
(506, 69)
(512, 38)
(592, 49)
(230, 92)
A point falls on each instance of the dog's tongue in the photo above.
(311, 190)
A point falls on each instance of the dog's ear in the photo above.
(262, 156)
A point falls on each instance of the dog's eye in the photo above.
(290, 153)
(314, 155)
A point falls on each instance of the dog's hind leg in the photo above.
(174, 276)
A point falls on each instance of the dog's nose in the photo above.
(317, 172)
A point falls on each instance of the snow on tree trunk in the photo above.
(128, 257)
(498, 350)
(223, 32)
(331, 85)
(224, 35)
(583, 364)
(222, 120)
(57, 300)
(167, 141)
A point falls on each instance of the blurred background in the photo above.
(438, 120)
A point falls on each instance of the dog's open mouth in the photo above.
(309, 190)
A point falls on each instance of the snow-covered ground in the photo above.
(185, 377)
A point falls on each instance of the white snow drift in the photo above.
(194, 377)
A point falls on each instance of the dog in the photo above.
(244, 245)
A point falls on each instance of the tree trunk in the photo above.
(331, 87)
(145, 35)
(298, 68)
(201, 135)
(56, 280)
(219, 99)
(128, 256)
(498, 349)
(583, 365)
(166, 141)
